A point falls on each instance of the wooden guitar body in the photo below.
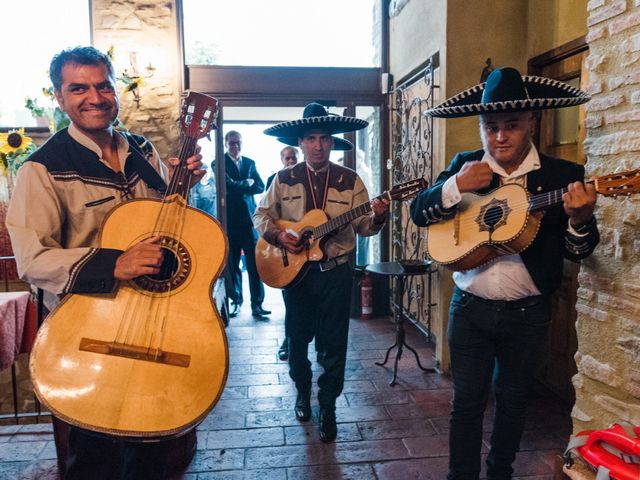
(485, 227)
(150, 359)
(280, 269)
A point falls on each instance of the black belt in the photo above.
(330, 264)
(508, 304)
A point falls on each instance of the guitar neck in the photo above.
(543, 200)
(341, 220)
(181, 177)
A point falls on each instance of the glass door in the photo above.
(265, 150)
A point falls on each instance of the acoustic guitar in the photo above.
(504, 221)
(281, 269)
(150, 359)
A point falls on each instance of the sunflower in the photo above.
(13, 141)
(15, 147)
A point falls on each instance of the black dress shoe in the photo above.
(303, 406)
(259, 311)
(328, 427)
(283, 352)
(235, 310)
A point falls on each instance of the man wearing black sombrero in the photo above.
(500, 311)
(289, 157)
(318, 305)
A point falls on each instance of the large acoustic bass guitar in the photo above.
(504, 221)
(281, 269)
(151, 358)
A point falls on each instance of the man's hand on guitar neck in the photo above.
(473, 176)
(290, 242)
(380, 207)
(193, 164)
(579, 203)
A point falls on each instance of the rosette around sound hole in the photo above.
(493, 215)
(174, 270)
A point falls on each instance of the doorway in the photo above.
(251, 122)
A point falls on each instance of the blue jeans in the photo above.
(499, 341)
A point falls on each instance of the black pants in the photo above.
(238, 242)
(492, 341)
(318, 306)
(102, 457)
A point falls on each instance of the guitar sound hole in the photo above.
(306, 238)
(174, 270)
(493, 216)
(168, 268)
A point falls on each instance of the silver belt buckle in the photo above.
(328, 265)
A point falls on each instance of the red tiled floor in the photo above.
(384, 432)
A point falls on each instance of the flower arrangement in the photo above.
(134, 79)
(57, 118)
(15, 147)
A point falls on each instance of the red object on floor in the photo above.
(616, 448)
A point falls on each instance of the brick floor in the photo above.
(384, 432)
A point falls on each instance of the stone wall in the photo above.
(150, 30)
(608, 358)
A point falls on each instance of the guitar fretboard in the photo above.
(337, 222)
(181, 177)
(543, 200)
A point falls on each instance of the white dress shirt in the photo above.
(506, 277)
(237, 161)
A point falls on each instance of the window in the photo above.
(369, 249)
(32, 32)
(296, 33)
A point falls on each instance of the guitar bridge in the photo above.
(135, 352)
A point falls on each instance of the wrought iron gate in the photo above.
(413, 153)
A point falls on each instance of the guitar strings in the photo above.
(174, 224)
(555, 196)
(143, 322)
(529, 203)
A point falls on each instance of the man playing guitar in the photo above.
(318, 304)
(500, 311)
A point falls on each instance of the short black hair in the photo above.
(81, 56)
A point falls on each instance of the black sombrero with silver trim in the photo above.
(338, 143)
(316, 116)
(507, 91)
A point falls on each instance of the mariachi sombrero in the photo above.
(338, 143)
(507, 91)
(316, 116)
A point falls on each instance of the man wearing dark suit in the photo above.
(243, 182)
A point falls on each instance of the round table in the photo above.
(401, 270)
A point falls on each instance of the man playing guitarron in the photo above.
(63, 193)
(500, 311)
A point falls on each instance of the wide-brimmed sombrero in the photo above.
(316, 116)
(507, 91)
(338, 143)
